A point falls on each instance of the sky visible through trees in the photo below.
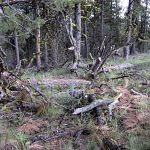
(124, 4)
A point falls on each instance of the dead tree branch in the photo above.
(92, 105)
(46, 99)
(12, 2)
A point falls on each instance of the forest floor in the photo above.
(30, 124)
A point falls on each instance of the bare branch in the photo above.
(14, 2)
(92, 105)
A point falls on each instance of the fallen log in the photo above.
(12, 2)
(127, 66)
(97, 103)
(92, 105)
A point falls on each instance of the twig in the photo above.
(101, 50)
(111, 107)
(105, 59)
(92, 58)
(59, 135)
(137, 93)
(120, 77)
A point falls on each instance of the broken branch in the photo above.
(92, 105)
(46, 99)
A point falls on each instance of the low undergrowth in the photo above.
(28, 122)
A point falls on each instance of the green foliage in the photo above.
(38, 22)
(138, 142)
(53, 112)
(8, 21)
(91, 145)
(21, 139)
(60, 5)
(15, 20)
(18, 139)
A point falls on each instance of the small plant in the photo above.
(21, 140)
(68, 146)
(91, 145)
(138, 142)
(85, 120)
(58, 88)
(53, 111)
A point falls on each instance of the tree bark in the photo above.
(17, 49)
(92, 105)
(38, 37)
(45, 53)
(13, 2)
(135, 25)
(86, 49)
(129, 30)
(116, 23)
(101, 21)
(133, 48)
(1, 10)
(143, 27)
(54, 52)
(77, 49)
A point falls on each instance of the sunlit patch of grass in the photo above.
(21, 139)
(132, 59)
(112, 74)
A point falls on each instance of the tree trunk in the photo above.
(101, 21)
(129, 30)
(143, 27)
(28, 49)
(45, 53)
(111, 20)
(38, 36)
(133, 48)
(77, 49)
(135, 25)
(116, 22)
(17, 49)
(146, 23)
(86, 49)
(1, 10)
(54, 52)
